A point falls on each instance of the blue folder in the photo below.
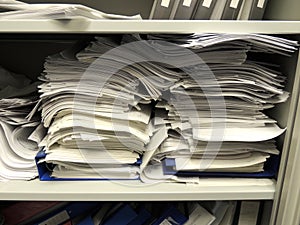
(270, 170)
(86, 221)
(123, 216)
(143, 215)
(45, 169)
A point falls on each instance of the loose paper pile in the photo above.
(217, 116)
(19, 10)
(88, 135)
(197, 99)
(18, 135)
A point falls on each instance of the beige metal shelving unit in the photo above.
(208, 189)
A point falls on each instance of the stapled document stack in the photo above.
(196, 101)
(18, 134)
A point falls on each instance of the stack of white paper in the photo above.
(18, 135)
(96, 131)
(200, 102)
(216, 115)
(20, 10)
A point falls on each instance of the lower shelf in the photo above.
(208, 189)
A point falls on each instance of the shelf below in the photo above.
(208, 189)
(147, 26)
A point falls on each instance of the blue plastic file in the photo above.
(123, 216)
(270, 170)
(44, 170)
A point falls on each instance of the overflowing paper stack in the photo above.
(195, 99)
(18, 134)
(217, 113)
(94, 130)
(19, 10)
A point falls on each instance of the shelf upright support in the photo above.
(287, 195)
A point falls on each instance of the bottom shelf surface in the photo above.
(206, 189)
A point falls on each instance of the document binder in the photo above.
(183, 9)
(45, 213)
(270, 170)
(45, 169)
(71, 210)
(231, 10)
(171, 216)
(245, 11)
(203, 9)
(86, 221)
(161, 9)
(218, 9)
(123, 215)
(30, 211)
(142, 217)
(258, 9)
(249, 213)
(252, 9)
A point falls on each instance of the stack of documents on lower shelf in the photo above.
(19, 10)
(191, 107)
(18, 135)
(200, 213)
(129, 213)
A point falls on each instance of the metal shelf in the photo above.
(147, 26)
(208, 189)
